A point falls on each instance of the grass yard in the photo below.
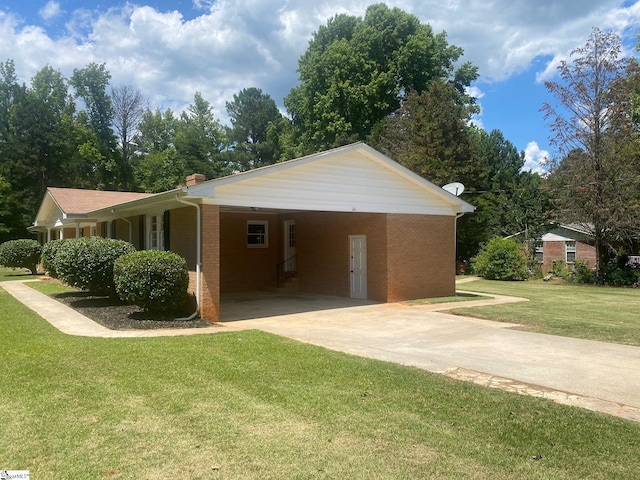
(252, 405)
(7, 274)
(580, 311)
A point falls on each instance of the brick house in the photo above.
(566, 243)
(346, 222)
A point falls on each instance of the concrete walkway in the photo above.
(68, 321)
(594, 375)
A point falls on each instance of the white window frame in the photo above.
(155, 236)
(569, 248)
(258, 239)
(539, 253)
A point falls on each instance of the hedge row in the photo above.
(153, 280)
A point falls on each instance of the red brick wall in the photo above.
(557, 251)
(587, 253)
(244, 268)
(210, 281)
(421, 258)
(552, 251)
(323, 251)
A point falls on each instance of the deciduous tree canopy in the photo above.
(356, 71)
(595, 180)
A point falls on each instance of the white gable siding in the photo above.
(344, 183)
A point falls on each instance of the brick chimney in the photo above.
(195, 179)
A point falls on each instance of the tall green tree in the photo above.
(508, 200)
(596, 175)
(199, 139)
(5, 225)
(356, 71)
(252, 113)
(158, 167)
(430, 135)
(36, 144)
(90, 84)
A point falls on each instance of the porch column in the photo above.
(210, 270)
(77, 230)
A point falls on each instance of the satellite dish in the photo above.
(455, 188)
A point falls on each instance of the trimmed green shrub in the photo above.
(501, 259)
(153, 280)
(24, 253)
(87, 262)
(49, 252)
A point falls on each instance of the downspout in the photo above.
(113, 211)
(455, 240)
(198, 255)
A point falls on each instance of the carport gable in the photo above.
(355, 178)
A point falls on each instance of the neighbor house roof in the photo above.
(563, 231)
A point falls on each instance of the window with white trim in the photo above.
(257, 233)
(539, 253)
(570, 249)
(155, 229)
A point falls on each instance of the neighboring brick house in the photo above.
(566, 243)
(347, 222)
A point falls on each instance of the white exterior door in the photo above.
(358, 265)
(290, 245)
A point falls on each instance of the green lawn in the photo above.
(252, 405)
(581, 311)
(7, 274)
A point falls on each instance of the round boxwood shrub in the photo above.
(87, 263)
(501, 259)
(49, 252)
(24, 253)
(154, 280)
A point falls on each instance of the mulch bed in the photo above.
(114, 315)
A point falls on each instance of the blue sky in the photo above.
(171, 49)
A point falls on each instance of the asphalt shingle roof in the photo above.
(75, 200)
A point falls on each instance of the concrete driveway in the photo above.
(595, 375)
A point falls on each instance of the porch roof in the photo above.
(62, 206)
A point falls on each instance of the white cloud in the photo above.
(50, 11)
(474, 91)
(235, 44)
(535, 159)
